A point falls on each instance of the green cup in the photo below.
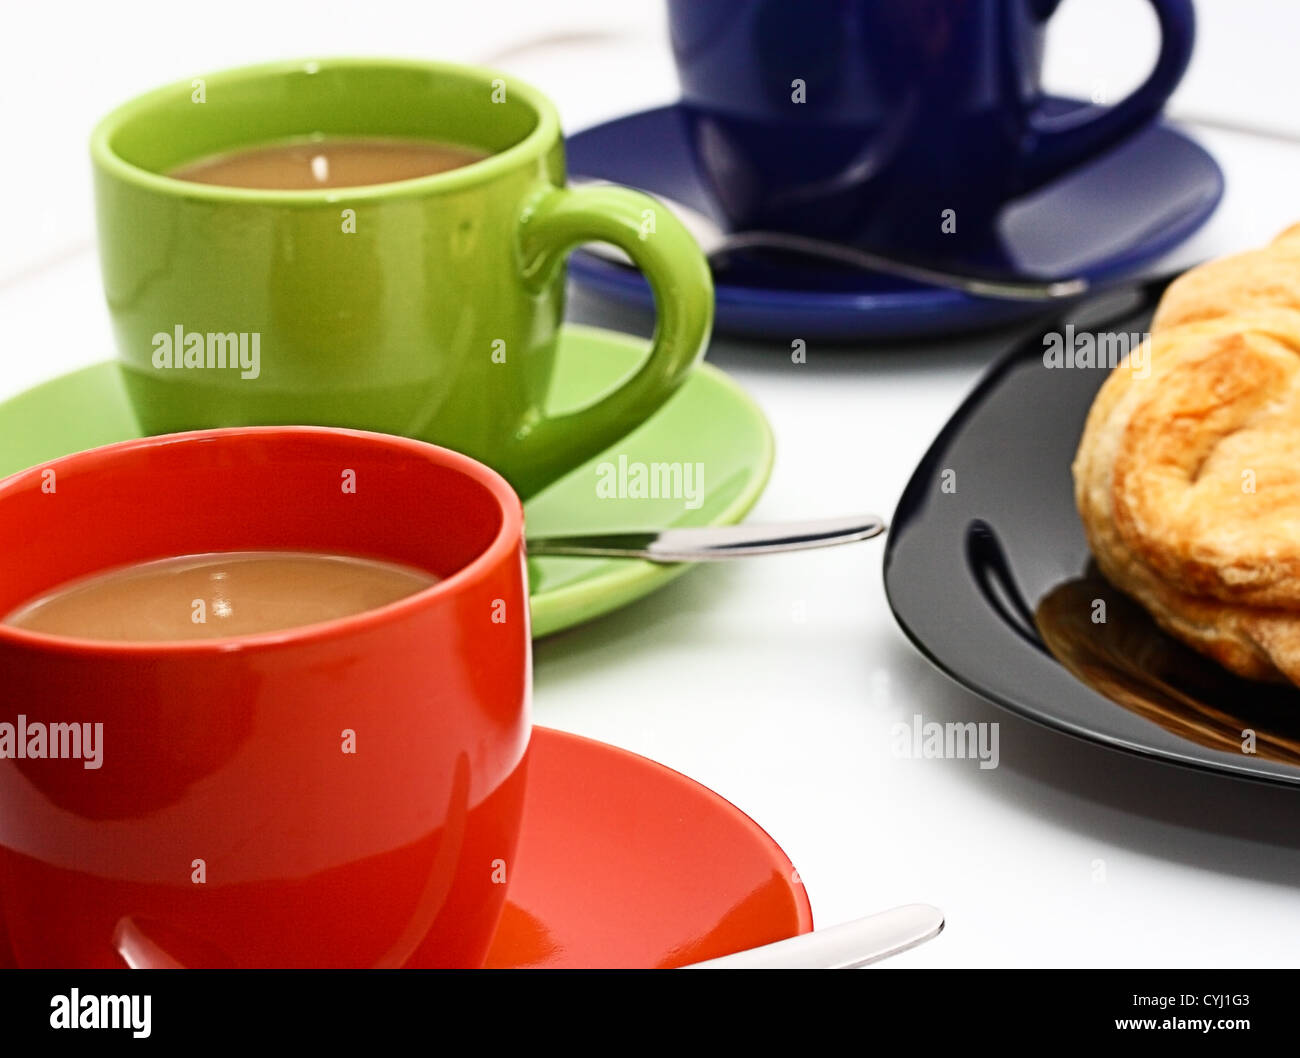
(426, 307)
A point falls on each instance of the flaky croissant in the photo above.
(1187, 477)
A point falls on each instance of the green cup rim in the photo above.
(545, 132)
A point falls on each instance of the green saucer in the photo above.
(710, 426)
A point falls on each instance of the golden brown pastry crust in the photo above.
(1187, 477)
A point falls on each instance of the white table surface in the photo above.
(776, 681)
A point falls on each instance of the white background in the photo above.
(715, 676)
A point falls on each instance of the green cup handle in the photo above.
(560, 219)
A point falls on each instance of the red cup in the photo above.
(227, 822)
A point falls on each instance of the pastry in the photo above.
(1187, 477)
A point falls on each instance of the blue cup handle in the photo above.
(1060, 144)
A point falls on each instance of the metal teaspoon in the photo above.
(712, 543)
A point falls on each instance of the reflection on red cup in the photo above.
(342, 794)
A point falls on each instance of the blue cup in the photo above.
(900, 124)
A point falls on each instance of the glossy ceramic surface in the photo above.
(332, 795)
(869, 120)
(625, 863)
(1103, 220)
(426, 307)
(710, 421)
(991, 578)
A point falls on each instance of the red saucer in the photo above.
(625, 863)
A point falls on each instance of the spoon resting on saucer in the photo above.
(708, 544)
(845, 947)
(718, 243)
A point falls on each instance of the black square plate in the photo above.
(988, 573)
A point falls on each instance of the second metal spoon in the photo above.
(845, 947)
(712, 543)
(717, 244)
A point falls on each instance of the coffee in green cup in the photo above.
(427, 306)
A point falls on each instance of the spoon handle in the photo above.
(712, 543)
(718, 243)
(983, 286)
(854, 944)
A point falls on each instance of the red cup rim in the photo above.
(506, 541)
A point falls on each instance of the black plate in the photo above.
(992, 581)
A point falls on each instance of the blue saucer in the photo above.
(1103, 221)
